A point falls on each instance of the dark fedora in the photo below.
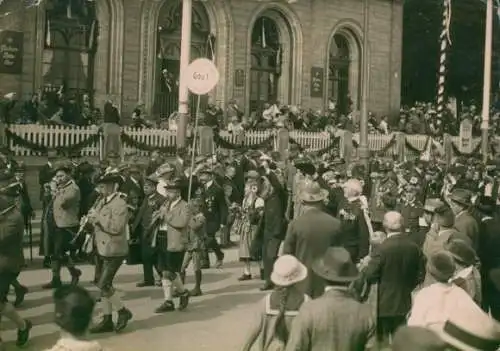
(461, 197)
(486, 204)
(336, 266)
(111, 177)
(175, 184)
(462, 252)
(64, 166)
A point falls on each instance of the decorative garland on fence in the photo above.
(132, 142)
(475, 153)
(334, 144)
(19, 141)
(414, 149)
(223, 143)
(384, 149)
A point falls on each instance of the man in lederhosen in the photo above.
(64, 221)
(171, 240)
(109, 220)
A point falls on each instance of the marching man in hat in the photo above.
(109, 220)
(64, 217)
(171, 239)
(11, 253)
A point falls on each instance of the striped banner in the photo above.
(445, 41)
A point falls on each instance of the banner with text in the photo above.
(11, 52)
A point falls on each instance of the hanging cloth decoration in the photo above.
(445, 41)
(264, 39)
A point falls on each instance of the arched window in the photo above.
(168, 53)
(266, 63)
(71, 32)
(338, 73)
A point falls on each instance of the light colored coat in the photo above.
(70, 344)
(111, 226)
(176, 218)
(67, 205)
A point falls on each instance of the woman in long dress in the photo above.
(246, 224)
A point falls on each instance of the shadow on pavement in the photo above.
(197, 311)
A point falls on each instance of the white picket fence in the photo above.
(59, 136)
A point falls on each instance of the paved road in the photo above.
(218, 320)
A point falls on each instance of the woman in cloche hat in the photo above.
(270, 329)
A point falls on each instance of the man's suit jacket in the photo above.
(11, 240)
(67, 205)
(307, 238)
(335, 321)
(398, 266)
(45, 175)
(26, 208)
(215, 208)
(466, 224)
(111, 226)
(176, 217)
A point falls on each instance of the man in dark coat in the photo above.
(45, 175)
(141, 228)
(215, 211)
(489, 242)
(460, 201)
(355, 232)
(398, 266)
(11, 252)
(273, 228)
(309, 235)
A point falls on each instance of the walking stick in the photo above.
(30, 234)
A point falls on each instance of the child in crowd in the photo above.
(73, 313)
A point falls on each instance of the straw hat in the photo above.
(287, 271)
(312, 192)
(469, 328)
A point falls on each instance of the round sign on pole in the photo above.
(202, 76)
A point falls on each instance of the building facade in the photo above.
(302, 53)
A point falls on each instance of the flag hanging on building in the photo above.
(211, 47)
(48, 41)
(92, 35)
(264, 43)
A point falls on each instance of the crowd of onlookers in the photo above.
(53, 106)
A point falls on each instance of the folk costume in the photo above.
(109, 220)
(195, 245)
(247, 222)
(171, 239)
(63, 220)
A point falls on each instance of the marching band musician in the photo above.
(109, 220)
(62, 222)
(152, 202)
(171, 239)
(11, 252)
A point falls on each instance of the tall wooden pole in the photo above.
(187, 8)
(488, 40)
(363, 151)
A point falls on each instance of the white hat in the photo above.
(354, 185)
(161, 188)
(287, 271)
(469, 328)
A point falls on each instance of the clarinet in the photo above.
(84, 223)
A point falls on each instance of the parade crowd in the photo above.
(400, 256)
